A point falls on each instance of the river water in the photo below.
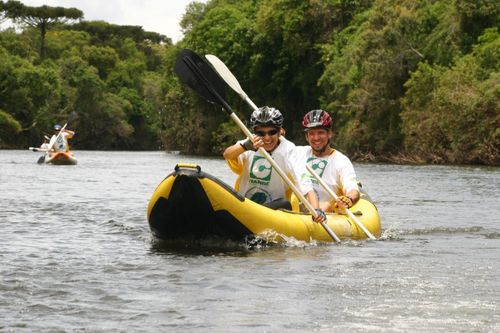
(77, 255)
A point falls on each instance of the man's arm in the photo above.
(232, 152)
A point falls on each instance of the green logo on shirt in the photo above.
(260, 171)
(318, 165)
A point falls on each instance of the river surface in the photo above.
(77, 255)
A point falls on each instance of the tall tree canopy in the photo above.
(104, 32)
(41, 18)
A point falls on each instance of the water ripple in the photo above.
(78, 256)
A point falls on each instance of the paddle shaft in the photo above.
(335, 197)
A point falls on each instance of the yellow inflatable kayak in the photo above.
(192, 204)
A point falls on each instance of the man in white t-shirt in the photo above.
(257, 179)
(330, 164)
(59, 143)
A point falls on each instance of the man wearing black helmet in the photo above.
(330, 164)
(257, 180)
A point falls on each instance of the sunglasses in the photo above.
(264, 133)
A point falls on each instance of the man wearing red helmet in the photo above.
(330, 164)
(257, 179)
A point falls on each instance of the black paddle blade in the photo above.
(199, 76)
(41, 159)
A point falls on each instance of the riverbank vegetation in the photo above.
(406, 81)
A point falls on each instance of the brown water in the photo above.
(77, 255)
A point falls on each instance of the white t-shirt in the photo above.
(61, 144)
(259, 181)
(336, 170)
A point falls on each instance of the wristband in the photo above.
(320, 214)
(343, 199)
(247, 145)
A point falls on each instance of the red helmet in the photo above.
(317, 118)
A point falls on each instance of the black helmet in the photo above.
(315, 119)
(266, 116)
(57, 127)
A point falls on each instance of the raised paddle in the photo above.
(198, 75)
(71, 116)
(335, 197)
(229, 78)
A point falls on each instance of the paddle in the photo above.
(36, 149)
(71, 116)
(198, 75)
(335, 197)
(230, 79)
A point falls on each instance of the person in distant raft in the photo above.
(60, 142)
(330, 164)
(45, 145)
(257, 180)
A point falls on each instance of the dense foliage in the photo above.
(111, 76)
(407, 81)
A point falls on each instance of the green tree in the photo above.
(147, 132)
(30, 94)
(59, 41)
(368, 63)
(104, 33)
(451, 114)
(42, 18)
(17, 45)
(194, 13)
(9, 128)
(287, 63)
(187, 121)
(103, 58)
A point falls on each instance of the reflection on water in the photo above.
(77, 255)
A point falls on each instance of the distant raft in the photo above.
(191, 204)
(61, 158)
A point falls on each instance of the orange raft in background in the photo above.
(61, 158)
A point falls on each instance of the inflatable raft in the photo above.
(61, 158)
(191, 204)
